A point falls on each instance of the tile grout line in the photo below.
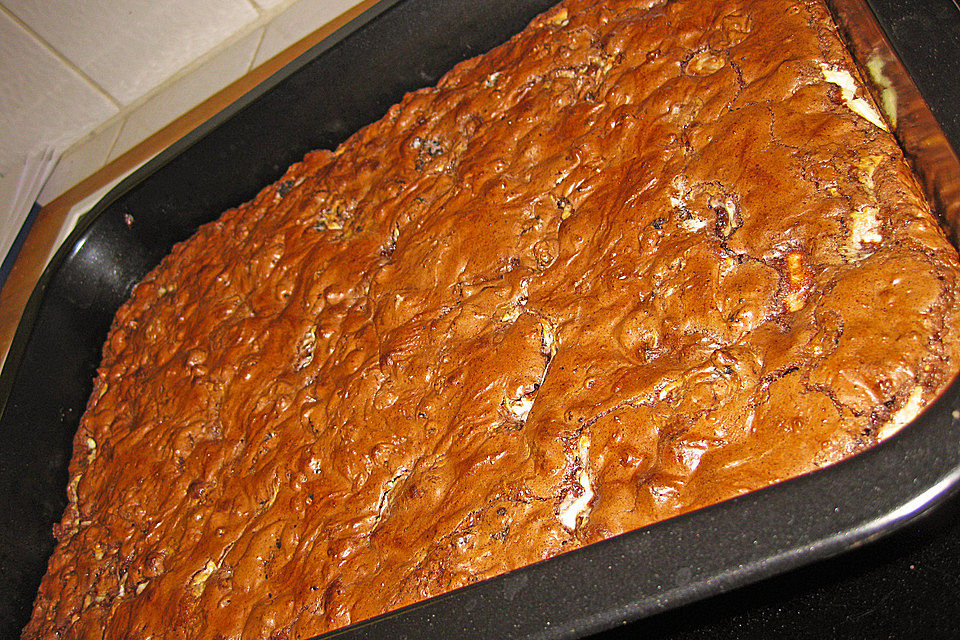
(262, 21)
(268, 15)
(256, 49)
(122, 117)
(125, 112)
(184, 72)
(59, 56)
(265, 18)
(113, 145)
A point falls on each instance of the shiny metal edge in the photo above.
(930, 154)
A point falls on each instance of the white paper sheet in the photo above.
(18, 192)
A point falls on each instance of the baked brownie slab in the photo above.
(644, 257)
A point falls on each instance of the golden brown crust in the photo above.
(641, 258)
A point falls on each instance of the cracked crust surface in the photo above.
(639, 259)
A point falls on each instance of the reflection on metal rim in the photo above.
(922, 139)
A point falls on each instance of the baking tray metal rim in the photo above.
(633, 575)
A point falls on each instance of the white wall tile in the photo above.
(81, 160)
(128, 47)
(297, 21)
(182, 94)
(42, 101)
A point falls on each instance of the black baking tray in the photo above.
(797, 560)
